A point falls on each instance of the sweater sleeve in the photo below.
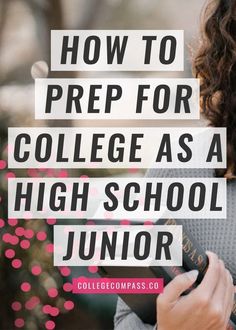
(125, 319)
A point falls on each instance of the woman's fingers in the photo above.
(211, 278)
(206, 307)
(222, 288)
(222, 296)
(177, 286)
(216, 291)
(229, 296)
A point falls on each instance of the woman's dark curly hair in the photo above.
(215, 65)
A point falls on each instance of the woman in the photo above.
(207, 307)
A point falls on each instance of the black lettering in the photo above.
(53, 97)
(156, 196)
(127, 192)
(111, 196)
(214, 206)
(134, 146)
(116, 48)
(77, 157)
(165, 144)
(141, 97)
(120, 150)
(40, 196)
(92, 98)
(60, 149)
(166, 99)
(137, 245)
(82, 245)
(110, 97)
(18, 147)
(109, 246)
(125, 246)
(148, 50)
(180, 98)
(164, 246)
(185, 147)
(215, 144)
(39, 147)
(96, 147)
(170, 196)
(75, 92)
(192, 195)
(66, 49)
(87, 47)
(20, 195)
(61, 199)
(69, 246)
(163, 46)
(83, 195)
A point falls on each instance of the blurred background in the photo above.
(33, 293)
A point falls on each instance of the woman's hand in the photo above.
(207, 307)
